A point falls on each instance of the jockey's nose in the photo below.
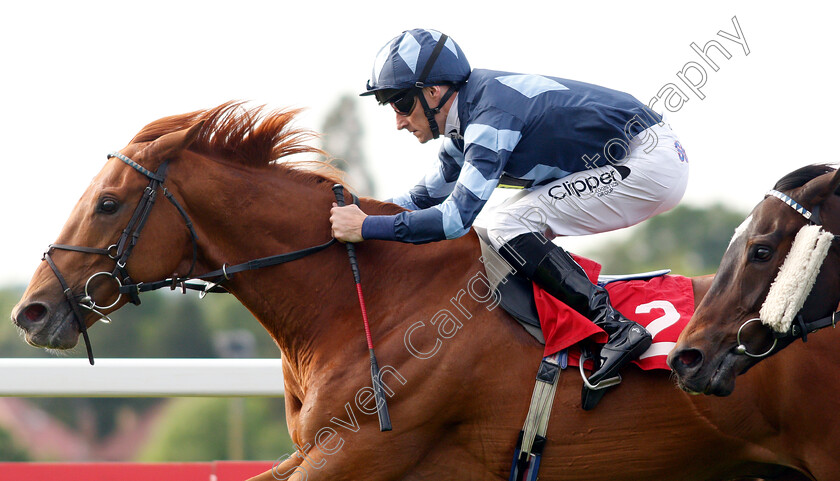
(402, 121)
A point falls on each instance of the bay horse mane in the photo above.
(249, 136)
(802, 176)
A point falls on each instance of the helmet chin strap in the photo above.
(432, 112)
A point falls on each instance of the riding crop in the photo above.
(379, 395)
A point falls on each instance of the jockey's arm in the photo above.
(468, 177)
(451, 218)
(433, 189)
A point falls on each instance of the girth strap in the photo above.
(532, 440)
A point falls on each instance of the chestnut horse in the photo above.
(458, 387)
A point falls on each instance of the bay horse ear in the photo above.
(168, 146)
(818, 190)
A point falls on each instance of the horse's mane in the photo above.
(249, 136)
(802, 176)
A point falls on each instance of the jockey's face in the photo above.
(416, 122)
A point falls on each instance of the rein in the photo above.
(122, 249)
(799, 328)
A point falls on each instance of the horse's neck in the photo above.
(309, 306)
(241, 214)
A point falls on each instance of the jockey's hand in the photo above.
(347, 222)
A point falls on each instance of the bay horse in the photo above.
(725, 338)
(458, 386)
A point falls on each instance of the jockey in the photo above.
(588, 159)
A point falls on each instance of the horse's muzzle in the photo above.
(697, 373)
(46, 327)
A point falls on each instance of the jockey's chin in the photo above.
(422, 135)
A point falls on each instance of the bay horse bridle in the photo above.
(801, 327)
(122, 249)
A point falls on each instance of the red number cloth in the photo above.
(663, 305)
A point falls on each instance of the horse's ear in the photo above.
(821, 188)
(169, 145)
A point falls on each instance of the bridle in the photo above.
(800, 328)
(120, 252)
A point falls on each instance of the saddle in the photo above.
(563, 331)
(654, 299)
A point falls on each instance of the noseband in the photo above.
(120, 252)
(800, 328)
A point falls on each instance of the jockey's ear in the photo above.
(168, 146)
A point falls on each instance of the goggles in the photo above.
(403, 103)
(401, 100)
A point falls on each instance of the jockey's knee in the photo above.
(510, 223)
(501, 234)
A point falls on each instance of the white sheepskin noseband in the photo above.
(796, 277)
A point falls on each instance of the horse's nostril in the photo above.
(34, 312)
(690, 357)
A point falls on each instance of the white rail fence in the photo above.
(140, 377)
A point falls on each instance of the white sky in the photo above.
(79, 79)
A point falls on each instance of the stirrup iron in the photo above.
(603, 383)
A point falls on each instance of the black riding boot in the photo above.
(553, 269)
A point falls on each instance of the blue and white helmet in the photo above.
(404, 62)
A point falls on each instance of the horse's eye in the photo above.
(761, 253)
(107, 206)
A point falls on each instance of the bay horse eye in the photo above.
(107, 206)
(761, 253)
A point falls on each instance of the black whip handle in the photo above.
(338, 189)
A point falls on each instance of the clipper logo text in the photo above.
(598, 185)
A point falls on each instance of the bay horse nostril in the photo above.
(690, 357)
